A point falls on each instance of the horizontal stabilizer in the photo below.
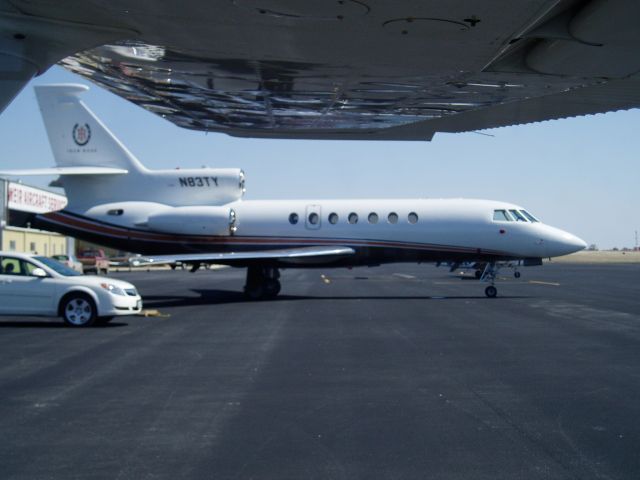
(64, 171)
(228, 258)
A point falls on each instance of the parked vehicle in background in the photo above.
(94, 261)
(36, 285)
(70, 261)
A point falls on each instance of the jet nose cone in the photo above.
(575, 242)
(571, 243)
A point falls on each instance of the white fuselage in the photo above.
(448, 224)
(386, 230)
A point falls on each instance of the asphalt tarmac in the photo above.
(396, 372)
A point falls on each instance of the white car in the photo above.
(70, 261)
(37, 285)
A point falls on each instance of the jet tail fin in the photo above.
(77, 137)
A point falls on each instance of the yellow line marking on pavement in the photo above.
(554, 284)
(152, 313)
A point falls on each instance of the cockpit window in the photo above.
(501, 216)
(518, 216)
(529, 216)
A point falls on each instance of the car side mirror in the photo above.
(39, 272)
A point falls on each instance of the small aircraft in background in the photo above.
(198, 216)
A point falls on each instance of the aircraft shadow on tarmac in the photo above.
(217, 297)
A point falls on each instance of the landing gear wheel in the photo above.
(79, 310)
(262, 283)
(272, 288)
(491, 291)
(516, 274)
(254, 292)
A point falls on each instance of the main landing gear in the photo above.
(262, 283)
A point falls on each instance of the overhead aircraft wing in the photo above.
(352, 69)
(64, 171)
(287, 255)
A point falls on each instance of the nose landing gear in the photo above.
(491, 291)
(489, 275)
(262, 283)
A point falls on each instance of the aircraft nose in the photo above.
(566, 243)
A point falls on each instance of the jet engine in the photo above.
(194, 220)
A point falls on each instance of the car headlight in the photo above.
(113, 289)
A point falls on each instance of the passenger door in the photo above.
(23, 294)
(313, 218)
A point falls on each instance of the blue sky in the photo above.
(582, 174)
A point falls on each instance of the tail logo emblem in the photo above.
(81, 134)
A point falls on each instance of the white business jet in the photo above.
(198, 216)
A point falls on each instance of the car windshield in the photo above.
(58, 267)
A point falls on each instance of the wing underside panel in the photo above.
(298, 255)
(355, 69)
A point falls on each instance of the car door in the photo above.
(22, 293)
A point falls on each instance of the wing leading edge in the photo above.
(289, 255)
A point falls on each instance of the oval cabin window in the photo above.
(333, 218)
(314, 219)
(293, 218)
(392, 218)
(413, 217)
(373, 218)
(353, 218)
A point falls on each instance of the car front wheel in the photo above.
(79, 310)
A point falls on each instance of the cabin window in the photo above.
(12, 245)
(353, 218)
(333, 218)
(392, 218)
(413, 217)
(529, 216)
(501, 216)
(115, 212)
(32, 247)
(518, 216)
(293, 218)
(314, 219)
(373, 218)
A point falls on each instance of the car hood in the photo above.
(95, 281)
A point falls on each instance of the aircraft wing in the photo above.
(288, 255)
(352, 69)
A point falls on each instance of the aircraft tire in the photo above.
(272, 288)
(254, 292)
(491, 291)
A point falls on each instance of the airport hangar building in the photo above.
(17, 203)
